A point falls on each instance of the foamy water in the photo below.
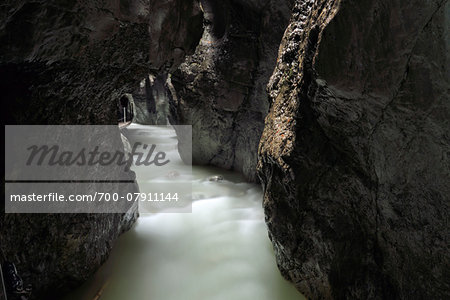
(220, 251)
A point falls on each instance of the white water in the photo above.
(220, 251)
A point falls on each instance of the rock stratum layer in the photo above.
(354, 156)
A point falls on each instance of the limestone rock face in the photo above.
(85, 54)
(56, 252)
(220, 89)
(151, 101)
(354, 154)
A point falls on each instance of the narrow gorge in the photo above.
(338, 109)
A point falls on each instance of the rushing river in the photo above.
(220, 251)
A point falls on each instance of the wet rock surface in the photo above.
(354, 154)
(216, 178)
(57, 252)
(151, 101)
(220, 89)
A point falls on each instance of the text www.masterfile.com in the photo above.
(95, 197)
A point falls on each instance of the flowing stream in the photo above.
(220, 251)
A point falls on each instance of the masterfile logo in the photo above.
(88, 169)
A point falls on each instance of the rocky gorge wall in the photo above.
(354, 154)
(221, 88)
(68, 62)
(87, 53)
